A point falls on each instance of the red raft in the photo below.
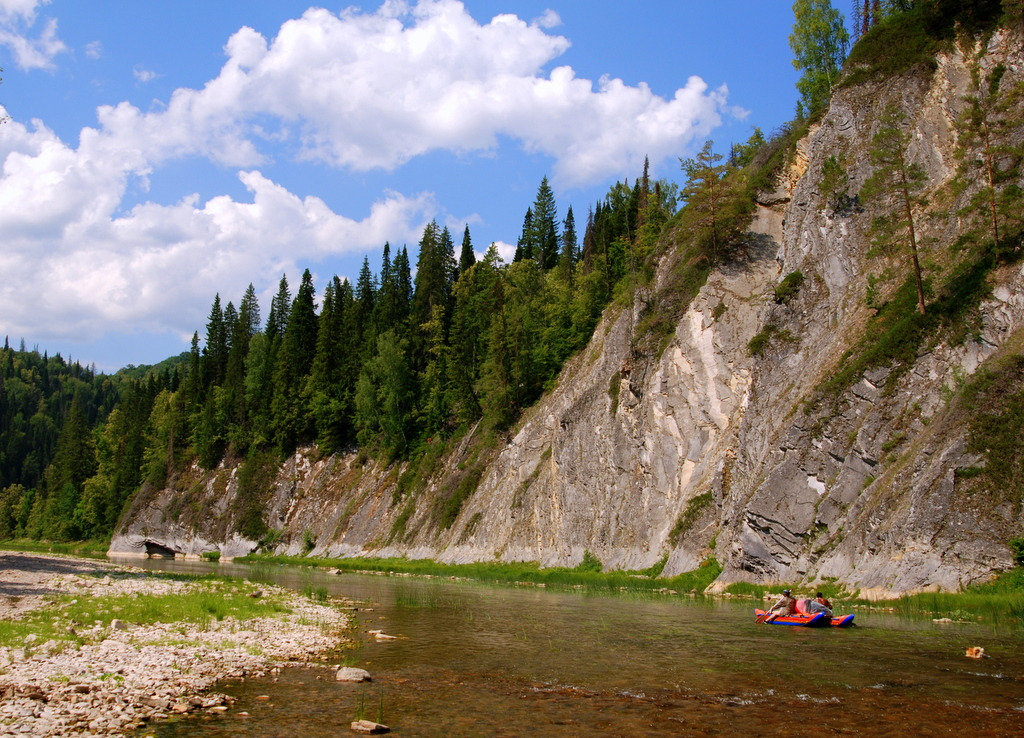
(814, 620)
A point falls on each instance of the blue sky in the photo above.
(156, 153)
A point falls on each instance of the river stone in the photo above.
(352, 674)
(116, 624)
(368, 726)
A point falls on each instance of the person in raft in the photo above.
(785, 606)
(819, 604)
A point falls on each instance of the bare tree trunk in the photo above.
(990, 170)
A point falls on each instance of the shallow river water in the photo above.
(476, 659)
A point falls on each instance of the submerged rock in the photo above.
(352, 674)
(368, 726)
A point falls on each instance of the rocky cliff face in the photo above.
(705, 449)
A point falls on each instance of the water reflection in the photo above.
(474, 659)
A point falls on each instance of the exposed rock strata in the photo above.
(612, 457)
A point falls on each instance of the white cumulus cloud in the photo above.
(155, 266)
(18, 23)
(374, 90)
(357, 90)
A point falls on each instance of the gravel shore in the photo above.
(114, 675)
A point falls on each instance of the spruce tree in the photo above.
(215, 352)
(525, 246)
(543, 236)
(280, 306)
(290, 420)
(324, 388)
(466, 257)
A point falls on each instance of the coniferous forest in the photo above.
(411, 354)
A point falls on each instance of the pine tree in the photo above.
(896, 183)
(716, 212)
(819, 41)
(570, 248)
(73, 463)
(433, 275)
(365, 300)
(324, 389)
(987, 132)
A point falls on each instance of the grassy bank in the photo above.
(189, 600)
(94, 549)
(999, 600)
(589, 574)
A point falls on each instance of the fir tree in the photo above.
(215, 353)
(290, 422)
(525, 245)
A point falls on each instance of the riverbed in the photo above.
(477, 659)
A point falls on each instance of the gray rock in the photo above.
(352, 674)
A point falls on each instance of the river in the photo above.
(475, 659)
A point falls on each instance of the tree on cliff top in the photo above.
(819, 43)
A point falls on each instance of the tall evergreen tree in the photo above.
(215, 353)
(434, 269)
(525, 246)
(289, 419)
(543, 236)
(280, 306)
(73, 463)
(466, 256)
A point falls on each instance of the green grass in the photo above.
(993, 403)
(587, 575)
(660, 317)
(1000, 600)
(759, 343)
(689, 516)
(91, 549)
(212, 599)
(787, 289)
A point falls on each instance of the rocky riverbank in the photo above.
(91, 648)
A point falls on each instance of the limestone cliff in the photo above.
(704, 449)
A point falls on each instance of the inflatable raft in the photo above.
(814, 620)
